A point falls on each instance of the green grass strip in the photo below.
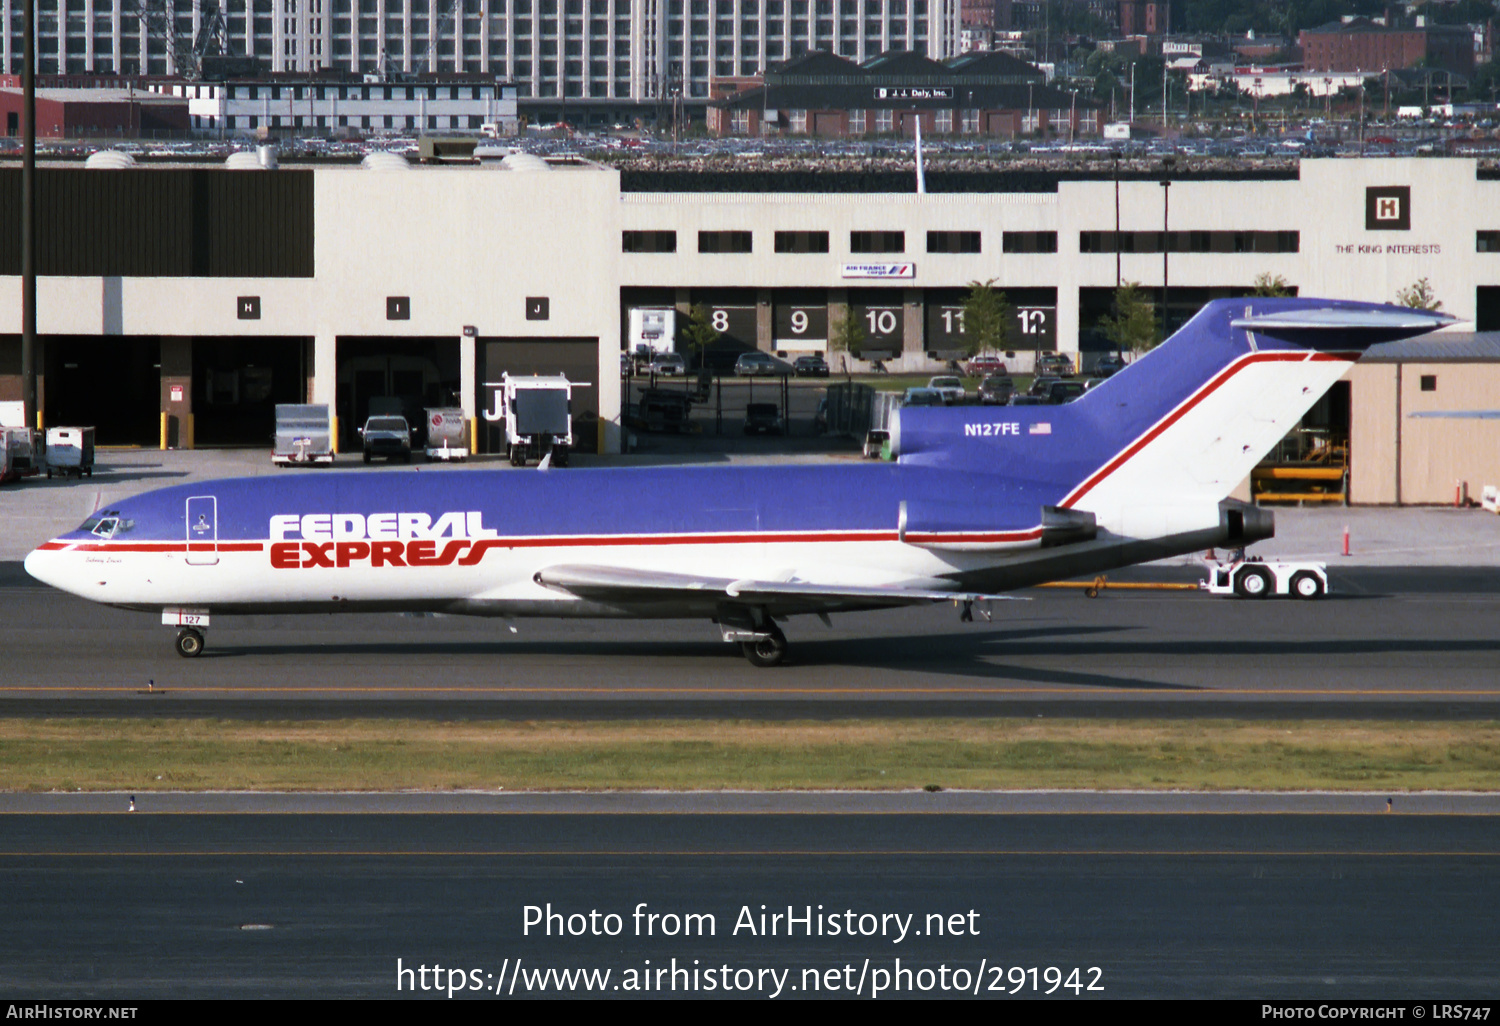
(144, 755)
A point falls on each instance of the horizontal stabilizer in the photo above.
(1067, 526)
(1354, 328)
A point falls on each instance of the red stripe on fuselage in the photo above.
(104, 546)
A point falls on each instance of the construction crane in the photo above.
(437, 33)
(187, 52)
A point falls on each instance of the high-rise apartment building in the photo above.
(619, 50)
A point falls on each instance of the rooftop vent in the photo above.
(385, 161)
(109, 160)
(524, 162)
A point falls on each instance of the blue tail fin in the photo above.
(1185, 423)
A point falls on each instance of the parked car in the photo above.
(661, 410)
(996, 390)
(1109, 363)
(1042, 384)
(951, 388)
(810, 367)
(763, 418)
(922, 397)
(984, 365)
(1027, 400)
(387, 437)
(756, 364)
(1055, 364)
(1064, 392)
(668, 364)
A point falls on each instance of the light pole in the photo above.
(1115, 156)
(28, 225)
(1166, 246)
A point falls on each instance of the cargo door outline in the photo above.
(202, 524)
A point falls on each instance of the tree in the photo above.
(1419, 296)
(1133, 325)
(699, 332)
(1269, 284)
(987, 316)
(846, 334)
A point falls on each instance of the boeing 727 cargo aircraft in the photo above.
(980, 501)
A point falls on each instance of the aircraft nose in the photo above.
(42, 563)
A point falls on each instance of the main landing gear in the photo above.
(189, 643)
(768, 650)
(757, 634)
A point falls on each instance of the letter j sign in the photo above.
(1388, 208)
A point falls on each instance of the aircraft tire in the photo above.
(1306, 585)
(768, 651)
(1253, 582)
(189, 643)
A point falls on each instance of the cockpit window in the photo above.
(106, 524)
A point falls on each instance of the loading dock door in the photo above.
(202, 530)
(578, 358)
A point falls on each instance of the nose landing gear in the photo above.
(190, 624)
(189, 643)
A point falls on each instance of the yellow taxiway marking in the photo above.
(560, 813)
(750, 852)
(730, 689)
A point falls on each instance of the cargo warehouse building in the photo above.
(209, 294)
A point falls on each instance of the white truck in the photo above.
(653, 330)
(538, 416)
(1254, 577)
(304, 435)
(70, 451)
(446, 439)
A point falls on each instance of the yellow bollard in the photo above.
(473, 436)
(186, 442)
(333, 433)
(165, 420)
(600, 444)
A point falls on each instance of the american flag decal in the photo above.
(1043, 428)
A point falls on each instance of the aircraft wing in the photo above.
(617, 584)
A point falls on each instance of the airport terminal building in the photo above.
(209, 294)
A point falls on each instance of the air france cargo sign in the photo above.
(904, 270)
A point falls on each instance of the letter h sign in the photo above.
(1388, 208)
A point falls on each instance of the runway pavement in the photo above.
(1418, 642)
(1160, 895)
(322, 904)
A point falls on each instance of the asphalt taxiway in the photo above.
(322, 903)
(1389, 641)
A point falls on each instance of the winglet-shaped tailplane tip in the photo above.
(1345, 327)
